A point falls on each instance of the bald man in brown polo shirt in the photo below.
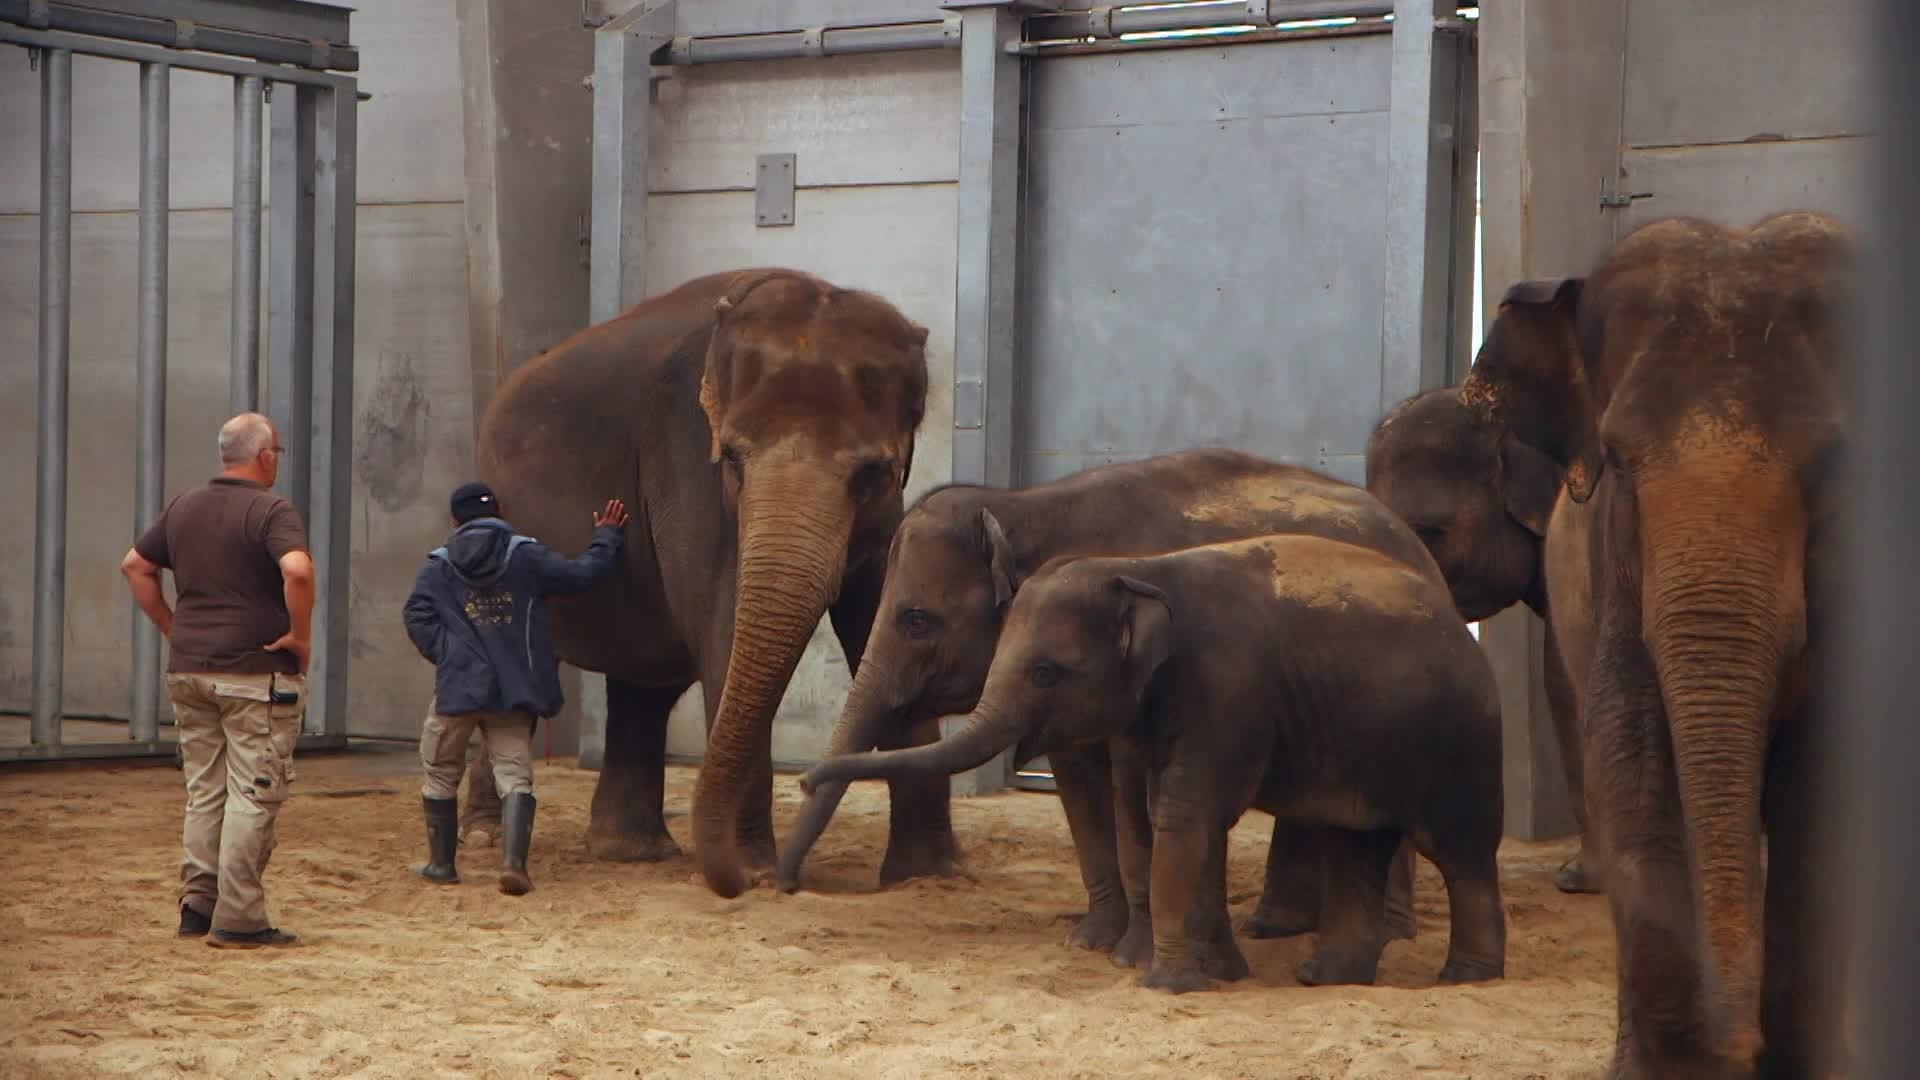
(238, 646)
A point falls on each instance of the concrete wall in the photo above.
(877, 155)
(529, 145)
(1728, 110)
(413, 388)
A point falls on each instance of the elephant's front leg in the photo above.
(1633, 806)
(480, 821)
(1807, 941)
(1133, 844)
(1084, 779)
(627, 822)
(1581, 873)
(920, 840)
(1188, 853)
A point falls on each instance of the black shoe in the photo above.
(235, 939)
(443, 816)
(192, 923)
(516, 831)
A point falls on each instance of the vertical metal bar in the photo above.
(1882, 599)
(244, 388)
(329, 528)
(617, 248)
(986, 269)
(622, 100)
(150, 462)
(984, 248)
(50, 494)
(290, 288)
(1414, 334)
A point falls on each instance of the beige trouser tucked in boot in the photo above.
(508, 738)
(236, 749)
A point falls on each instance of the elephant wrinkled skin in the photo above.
(760, 426)
(1693, 388)
(1325, 683)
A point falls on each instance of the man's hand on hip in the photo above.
(302, 650)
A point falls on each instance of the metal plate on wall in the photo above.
(773, 190)
(1205, 252)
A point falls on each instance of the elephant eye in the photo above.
(918, 623)
(730, 454)
(1045, 674)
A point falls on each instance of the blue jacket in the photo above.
(476, 612)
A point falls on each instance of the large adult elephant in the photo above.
(1480, 499)
(1692, 387)
(760, 424)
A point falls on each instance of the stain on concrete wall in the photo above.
(387, 459)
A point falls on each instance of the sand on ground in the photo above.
(638, 970)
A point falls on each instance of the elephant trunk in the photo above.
(863, 723)
(795, 521)
(988, 732)
(1725, 610)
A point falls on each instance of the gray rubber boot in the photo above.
(443, 818)
(516, 832)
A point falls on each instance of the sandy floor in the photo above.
(624, 970)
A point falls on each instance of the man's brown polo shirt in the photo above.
(223, 541)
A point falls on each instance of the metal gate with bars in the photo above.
(1239, 222)
(300, 49)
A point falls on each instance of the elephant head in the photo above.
(951, 574)
(1081, 647)
(1477, 497)
(812, 395)
(1694, 380)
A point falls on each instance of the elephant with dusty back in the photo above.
(959, 558)
(1327, 683)
(1693, 388)
(760, 426)
(1480, 499)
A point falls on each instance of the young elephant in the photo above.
(1322, 682)
(1480, 499)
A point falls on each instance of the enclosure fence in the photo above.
(297, 48)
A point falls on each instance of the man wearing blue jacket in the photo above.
(476, 611)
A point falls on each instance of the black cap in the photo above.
(473, 499)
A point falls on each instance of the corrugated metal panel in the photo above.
(884, 119)
(1706, 71)
(1206, 253)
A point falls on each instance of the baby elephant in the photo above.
(1323, 683)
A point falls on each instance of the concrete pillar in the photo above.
(528, 124)
(1550, 106)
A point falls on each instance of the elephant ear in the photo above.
(1529, 483)
(1531, 377)
(718, 370)
(1006, 573)
(1146, 629)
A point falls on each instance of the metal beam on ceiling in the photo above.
(291, 32)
